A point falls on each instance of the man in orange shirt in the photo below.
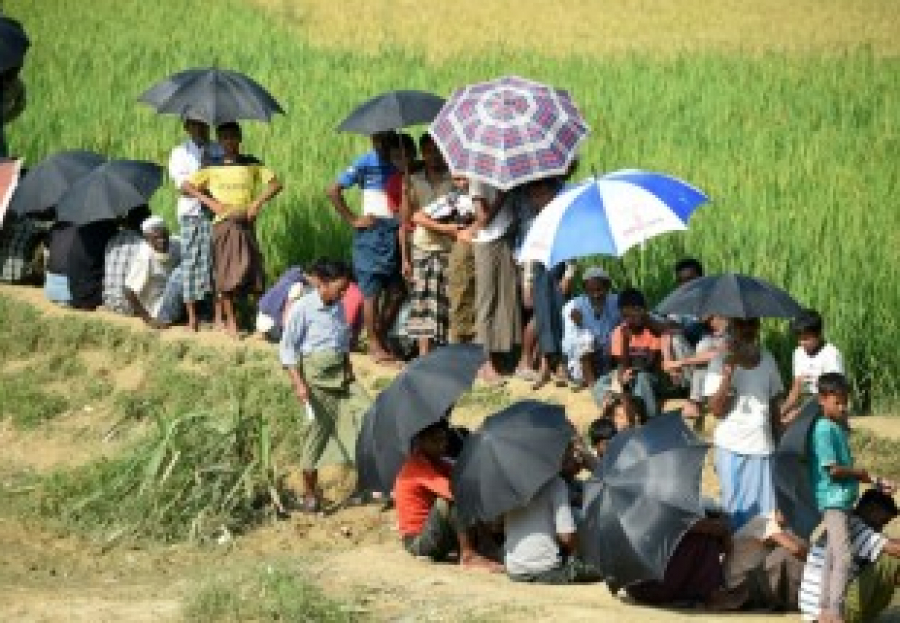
(636, 352)
(425, 512)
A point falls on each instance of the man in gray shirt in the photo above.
(540, 542)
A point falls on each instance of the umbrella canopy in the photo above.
(13, 43)
(110, 191)
(509, 131)
(50, 179)
(393, 110)
(609, 215)
(506, 462)
(731, 295)
(650, 497)
(212, 95)
(790, 471)
(418, 398)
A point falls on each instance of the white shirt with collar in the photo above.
(184, 161)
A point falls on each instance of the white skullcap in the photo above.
(152, 223)
(595, 272)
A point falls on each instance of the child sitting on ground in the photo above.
(813, 357)
(624, 412)
(835, 483)
(425, 511)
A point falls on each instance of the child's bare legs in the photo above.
(424, 346)
(525, 367)
(377, 350)
(311, 488)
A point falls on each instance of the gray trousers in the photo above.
(437, 539)
(838, 561)
(571, 571)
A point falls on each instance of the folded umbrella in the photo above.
(507, 461)
(13, 43)
(110, 191)
(650, 497)
(509, 131)
(609, 215)
(46, 183)
(419, 397)
(212, 95)
(391, 111)
(731, 295)
(790, 471)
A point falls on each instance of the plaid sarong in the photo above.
(196, 259)
(19, 241)
(120, 252)
(429, 314)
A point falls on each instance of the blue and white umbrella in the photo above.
(609, 215)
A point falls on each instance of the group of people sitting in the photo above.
(133, 265)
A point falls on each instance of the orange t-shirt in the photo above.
(418, 484)
(641, 346)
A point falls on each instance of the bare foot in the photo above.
(476, 562)
(383, 357)
(542, 380)
(192, 328)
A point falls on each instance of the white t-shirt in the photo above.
(148, 276)
(530, 545)
(503, 218)
(746, 429)
(828, 359)
(184, 161)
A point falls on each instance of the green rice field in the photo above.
(797, 146)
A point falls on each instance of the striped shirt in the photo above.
(865, 545)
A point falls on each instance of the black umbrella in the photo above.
(731, 295)
(417, 398)
(506, 462)
(13, 43)
(49, 180)
(393, 110)
(110, 191)
(790, 471)
(650, 497)
(212, 95)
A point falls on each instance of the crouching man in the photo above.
(153, 286)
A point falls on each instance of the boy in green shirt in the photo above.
(835, 483)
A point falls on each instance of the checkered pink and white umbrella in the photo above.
(509, 131)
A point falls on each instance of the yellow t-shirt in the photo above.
(234, 184)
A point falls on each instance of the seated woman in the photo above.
(694, 573)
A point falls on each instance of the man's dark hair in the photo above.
(632, 297)
(229, 126)
(329, 270)
(833, 383)
(876, 498)
(408, 143)
(601, 429)
(809, 321)
(689, 263)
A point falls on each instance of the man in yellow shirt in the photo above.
(229, 190)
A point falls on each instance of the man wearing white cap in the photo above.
(588, 322)
(153, 285)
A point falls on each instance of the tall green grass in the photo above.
(799, 153)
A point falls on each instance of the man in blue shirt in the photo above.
(376, 258)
